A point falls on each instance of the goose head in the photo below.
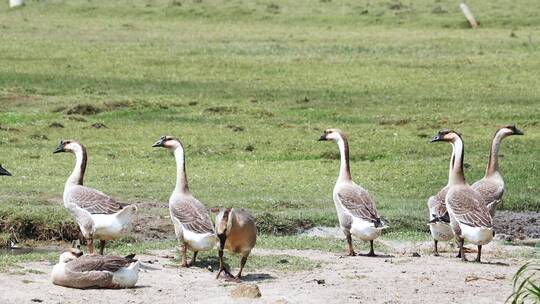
(168, 142)
(446, 135)
(509, 130)
(4, 171)
(223, 224)
(331, 134)
(67, 145)
(70, 255)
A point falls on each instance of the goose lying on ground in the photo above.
(356, 210)
(4, 171)
(95, 271)
(192, 224)
(491, 186)
(237, 233)
(469, 216)
(98, 215)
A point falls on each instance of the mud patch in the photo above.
(518, 225)
(83, 109)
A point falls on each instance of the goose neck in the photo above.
(344, 169)
(456, 163)
(81, 158)
(493, 162)
(181, 178)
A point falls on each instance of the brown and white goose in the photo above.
(491, 186)
(192, 224)
(98, 215)
(237, 233)
(4, 171)
(357, 214)
(76, 270)
(469, 216)
(439, 220)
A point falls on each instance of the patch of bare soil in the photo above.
(396, 277)
(518, 225)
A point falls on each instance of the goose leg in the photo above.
(193, 258)
(349, 242)
(222, 266)
(461, 250)
(371, 252)
(184, 256)
(242, 264)
(90, 246)
(101, 246)
(479, 254)
(435, 249)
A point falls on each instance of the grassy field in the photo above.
(248, 86)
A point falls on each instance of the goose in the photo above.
(469, 217)
(491, 186)
(97, 214)
(95, 271)
(4, 171)
(357, 214)
(237, 233)
(192, 224)
(439, 221)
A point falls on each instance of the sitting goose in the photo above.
(237, 233)
(192, 225)
(4, 171)
(439, 221)
(469, 216)
(491, 186)
(95, 271)
(356, 209)
(97, 214)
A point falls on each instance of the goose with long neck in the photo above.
(469, 216)
(76, 270)
(439, 220)
(98, 215)
(358, 217)
(192, 224)
(491, 186)
(237, 233)
(3, 171)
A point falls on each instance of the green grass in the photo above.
(223, 75)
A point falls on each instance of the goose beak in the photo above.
(60, 148)
(437, 137)
(159, 143)
(322, 138)
(518, 132)
(4, 171)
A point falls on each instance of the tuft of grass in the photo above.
(526, 284)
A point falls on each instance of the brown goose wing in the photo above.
(436, 203)
(192, 214)
(99, 263)
(468, 208)
(489, 190)
(359, 203)
(94, 201)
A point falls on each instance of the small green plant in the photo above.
(525, 285)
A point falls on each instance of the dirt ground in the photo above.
(397, 277)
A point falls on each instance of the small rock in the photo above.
(320, 281)
(246, 291)
(415, 255)
(36, 300)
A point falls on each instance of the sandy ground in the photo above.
(397, 277)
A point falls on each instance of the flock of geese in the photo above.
(457, 211)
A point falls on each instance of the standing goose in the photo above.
(439, 220)
(469, 216)
(4, 171)
(491, 186)
(97, 214)
(357, 214)
(95, 271)
(192, 225)
(237, 233)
